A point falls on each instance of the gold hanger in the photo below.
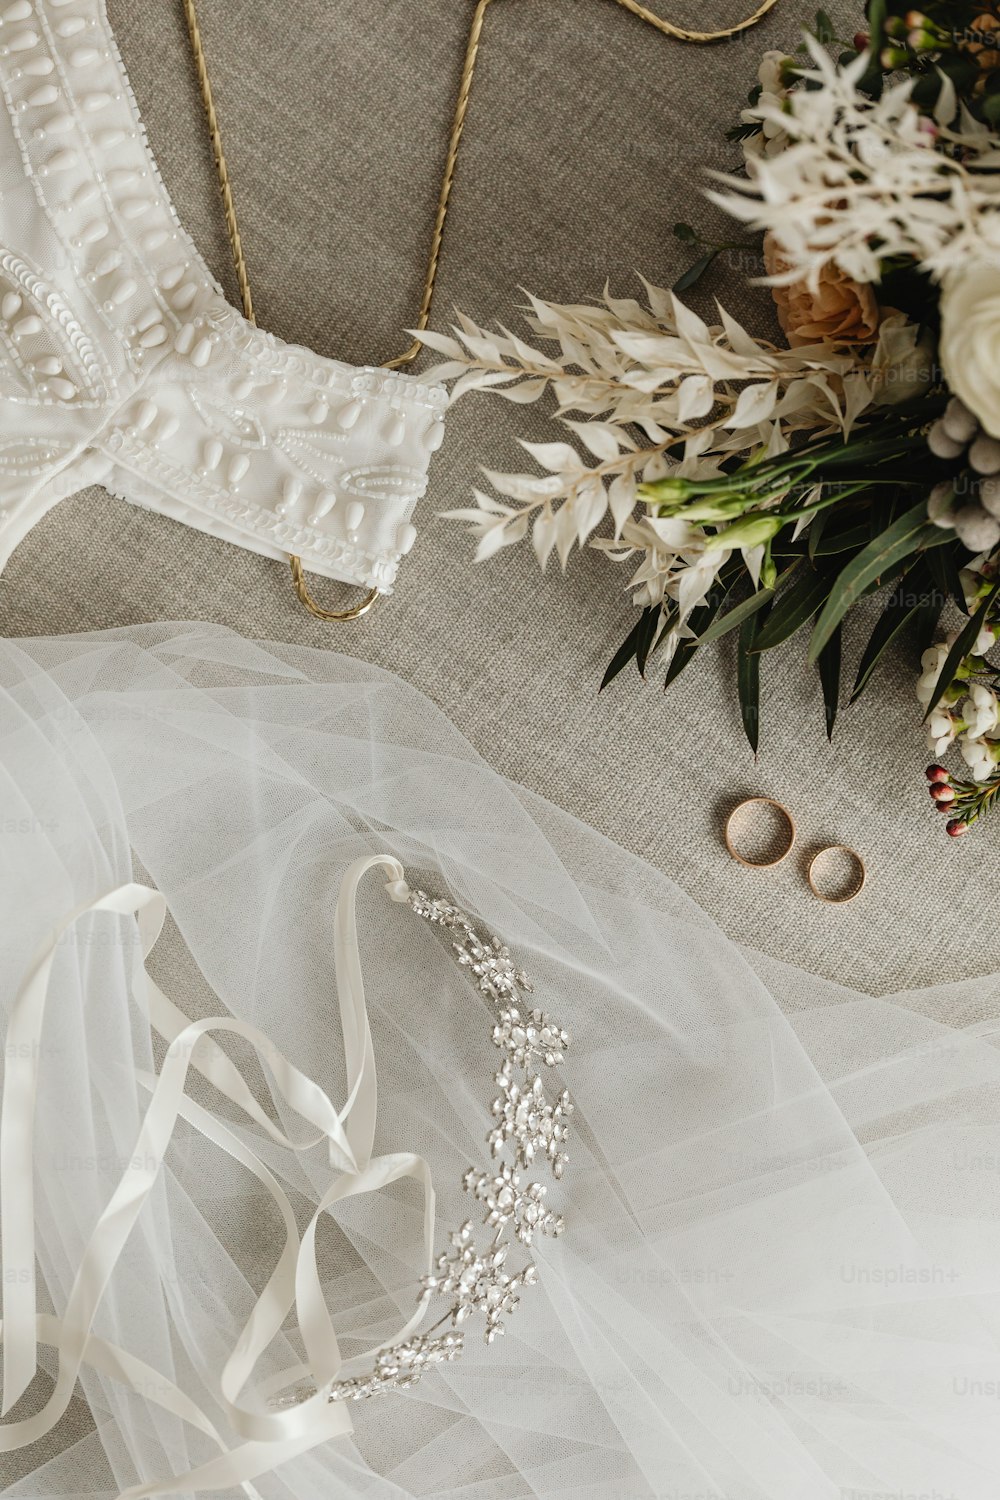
(679, 33)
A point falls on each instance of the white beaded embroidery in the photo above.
(122, 343)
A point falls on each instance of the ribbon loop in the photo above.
(269, 1436)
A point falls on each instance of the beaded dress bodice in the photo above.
(122, 363)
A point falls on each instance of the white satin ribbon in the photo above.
(269, 1437)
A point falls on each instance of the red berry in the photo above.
(936, 773)
(861, 40)
(956, 828)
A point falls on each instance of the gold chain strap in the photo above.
(683, 34)
(679, 33)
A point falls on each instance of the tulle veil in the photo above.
(780, 1269)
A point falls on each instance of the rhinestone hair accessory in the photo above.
(474, 1276)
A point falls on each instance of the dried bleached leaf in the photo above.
(602, 439)
(695, 397)
(559, 458)
(755, 405)
(644, 392)
(860, 180)
(543, 536)
(622, 499)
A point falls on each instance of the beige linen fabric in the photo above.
(586, 139)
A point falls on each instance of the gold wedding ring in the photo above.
(852, 888)
(731, 833)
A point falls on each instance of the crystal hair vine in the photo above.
(472, 1276)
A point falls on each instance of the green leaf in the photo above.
(817, 526)
(828, 662)
(696, 272)
(907, 600)
(743, 132)
(845, 540)
(876, 25)
(911, 533)
(669, 615)
(742, 611)
(748, 680)
(961, 69)
(701, 618)
(683, 655)
(928, 87)
(926, 624)
(889, 576)
(824, 28)
(943, 565)
(626, 651)
(797, 605)
(873, 82)
(964, 643)
(647, 635)
(684, 232)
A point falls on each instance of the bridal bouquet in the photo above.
(767, 489)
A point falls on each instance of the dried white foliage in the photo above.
(861, 180)
(646, 391)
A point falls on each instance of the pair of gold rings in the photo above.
(821, 866)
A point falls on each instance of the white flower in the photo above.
(770, 71)
(942, 729)
(972, 581)
(980, 757)
(985, 640)
(981, 711)
(902, 366)
(772, 136)
(970, 337)
(932, 661)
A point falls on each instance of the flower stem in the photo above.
(761, 482)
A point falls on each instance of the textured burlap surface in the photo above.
(586, 140)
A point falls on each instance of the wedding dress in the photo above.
(247, 1090)
(778, 1277)
(121, 363)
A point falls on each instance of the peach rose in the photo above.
(838, 311)
(984, 45)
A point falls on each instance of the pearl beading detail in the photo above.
(122, 343)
